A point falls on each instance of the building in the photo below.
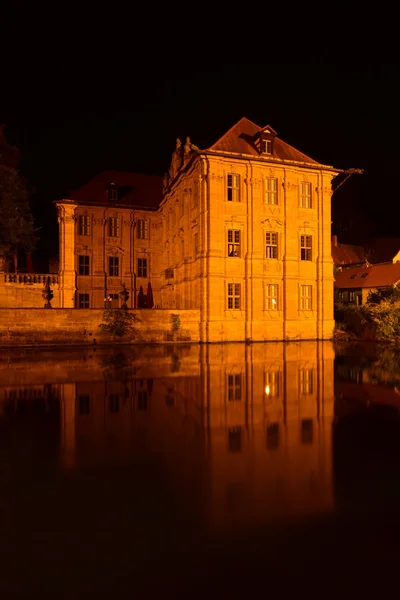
(347, 255)
(240, 231)
(354, 285)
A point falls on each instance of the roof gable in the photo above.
(240, 139)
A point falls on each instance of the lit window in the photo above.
(271, 296)
(306, 297)
(141, 229)
(305, 247)
(233, 242)
(113, 266)
(271, 244)
(234, 387)
(84, 268)
(272, 384)
(305, 194)
(233, 296)
(84, 225)
(113, 226)
(271, 190)
(233, 187)
(83, 301)
(142, 267)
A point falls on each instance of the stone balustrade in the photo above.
(31, 278)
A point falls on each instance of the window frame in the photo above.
(113, 266)
(234, 244)
(305, 196)
(306, 299)
(270, 297)
(142, 267)
(83, 265)
(113, 224)
(305, 248)
(234, 296)
(271, 245)
(84, 225)
(142, 229)
(83, 299)
(233, 187)
(271, 195)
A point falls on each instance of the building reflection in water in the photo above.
(240, 433)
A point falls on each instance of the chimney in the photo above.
(334, 240)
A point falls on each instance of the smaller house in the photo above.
(354, 284)
(346, 255)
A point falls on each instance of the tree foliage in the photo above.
(17, 231)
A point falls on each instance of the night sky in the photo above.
(111, 92)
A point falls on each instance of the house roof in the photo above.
(240, 139)
(372, 276)
(134, 189)
(382, 249)
(346, 254)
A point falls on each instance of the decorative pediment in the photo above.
(114, 251)
(272, 223)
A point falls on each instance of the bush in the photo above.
(118, 322)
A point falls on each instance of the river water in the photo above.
(199, 471)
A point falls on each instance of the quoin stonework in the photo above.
(240, 232)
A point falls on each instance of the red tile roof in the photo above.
(346, 254)
(240, 139)
(134, 189)
(374, 276)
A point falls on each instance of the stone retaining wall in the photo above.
(62, 326)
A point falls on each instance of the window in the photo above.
(353, 276)
(234, 296)
(233, 187)
(272, 435)
(234, 387)
(271, 296)
(271, 244)
(305, 247)
(306, 297)
(306, 381)
(306, 431)
(84, 225)
(142, 267)
(113, 266)
(196, 243)
(233, 242)
(305, 194)
(141, 229)
(84, 404)
(271, 190)
(112, 194)
(235, 439)
(84, 265)
(143, 400)
(266, 146)
(83, 301)
(113, 226)
(272, 384)
(114, 403)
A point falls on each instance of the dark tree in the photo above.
(149, 296)
(17, 231)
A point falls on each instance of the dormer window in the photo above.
(112, 192)
(266, 146)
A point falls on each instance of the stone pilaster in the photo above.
(67, 273)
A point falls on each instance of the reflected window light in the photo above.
(307, 431)
(235, 439)
(267, 390)
(272, 434)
